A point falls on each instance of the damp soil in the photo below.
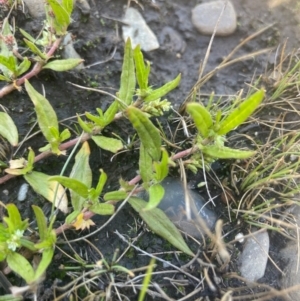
(97, 38)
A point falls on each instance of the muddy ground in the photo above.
(97, 36)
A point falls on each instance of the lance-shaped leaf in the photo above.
(101, 182)
(115, 195)
(62, 16)
(160, 224)
(41, 222)
(226, 152)
(14, 220)
(46, 116)
(82, 172)
(68, 5)
(156, 193)
(87, 127)
(9, 62)
(202, 118)
(102, 209)
(49, 190)
(63, 65)
(145, 166)
(23, 67)
(47, 256)
(147, 132)
(110, 113)
(127, 85)
(110, 144)
(241, 113)
(142, 71)
(8, 129)
(160, 92)
(72, 184)
(162, 168)
(35, 49)
(21, 266)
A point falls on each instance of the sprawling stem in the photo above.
(37, 68)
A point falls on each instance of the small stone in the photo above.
(253, 260)
(205, 17)
(138, 31)
(69, 51)
(36, 8)
(173, 204)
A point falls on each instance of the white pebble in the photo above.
(240, 237)
(23, 192)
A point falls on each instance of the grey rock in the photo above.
(206, 15)
(290, 255)
(253, 259)
(36, 8)
(173, 204)
(138, 31)
(69, 51)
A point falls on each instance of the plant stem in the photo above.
(46, 154)
(37, 68)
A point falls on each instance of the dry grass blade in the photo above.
(225, 63)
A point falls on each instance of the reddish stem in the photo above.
(37, 68)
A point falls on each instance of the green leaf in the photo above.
(40, 184)
(41, 222)
(147, 132)
(35, 49)
(10, 62)
(115, 195)
(72, 216)
(27, 36)
(64, 135)
(156, 193)
(160, 224)
(202, 118)
(100, 121)
(47, 257)
(110, 144)
(8, 129)
(82, 172)
(102, 209)
(14, 220)
(62, 17)
(226, 152)
(46, 116)
(23, 67)
(145, 165)
(127, 85)
(162, 168)
(5, 78)
(63, 65)
(72, 184)
(21, 266)
(101, 182)
(160, 92)
(86, 128)
(142, 72)
(68, 5)
(110, 113)
(241, 113)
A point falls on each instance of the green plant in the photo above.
(15, 69)
(138, 105)
(210, 136)
(12, 238)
